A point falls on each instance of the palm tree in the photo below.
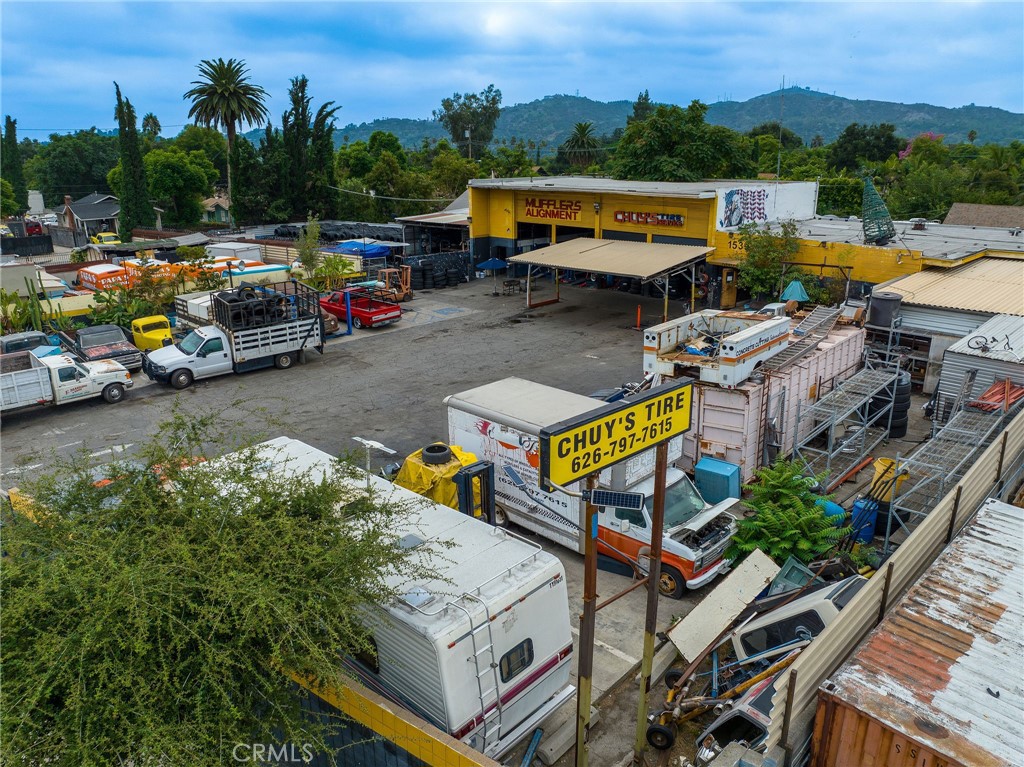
(582, 145)
(225, 97)
(150, 125)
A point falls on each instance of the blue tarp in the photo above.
(357, 248)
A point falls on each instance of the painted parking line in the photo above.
(609, 649)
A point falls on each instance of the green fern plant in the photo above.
(788, 521)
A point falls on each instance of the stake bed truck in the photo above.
(26, 379)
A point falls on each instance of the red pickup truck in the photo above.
(367, 312)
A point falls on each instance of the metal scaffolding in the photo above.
(844, 426)
(936, 466)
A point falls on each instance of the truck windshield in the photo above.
(102, 338)
(190, 343)
(682, 503)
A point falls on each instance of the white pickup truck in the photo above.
(26, 379)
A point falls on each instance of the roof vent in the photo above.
(919, 223)
(417, 596)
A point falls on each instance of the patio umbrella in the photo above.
(795, 292)
(493, 264)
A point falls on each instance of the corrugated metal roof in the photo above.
(1001, 338)
(443, 217)
(627, 259)
(992, 285)
(691, 189)
(944, 665)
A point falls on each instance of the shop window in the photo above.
(516, 660)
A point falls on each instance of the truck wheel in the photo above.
(407, 297)
(284, 361)
(356, 322)
(671, 583)
(661, 737)
(500, 516)
(672, 676)
(113, 393)
(181, 379)
(436, 454)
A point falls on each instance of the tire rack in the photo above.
(847, 405)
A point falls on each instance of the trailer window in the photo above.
(516, 660)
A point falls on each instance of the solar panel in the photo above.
(633, 501)
(512, 474)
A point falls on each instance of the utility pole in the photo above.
(469, 141)
(585, 667)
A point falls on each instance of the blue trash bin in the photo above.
(865, 512)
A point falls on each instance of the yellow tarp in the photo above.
(434, 481)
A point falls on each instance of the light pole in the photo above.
(241, 268)
(370, 444)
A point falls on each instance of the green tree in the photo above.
(354, 161)
(179, 182)
(675, 144)
(211, 142)
(199, 268)
(136, 209)
(470, 118)
(765, 253)
(788, 138)
(451, 173)
(223, 96)
(384, 141)
(8, 204)
(13, 170)
(582, 146)
(150, 619)
(643, 108)
(308, 246)
(251, 201)
(788, 521)
(150, 126)
(308, 144)
(858, 144)
(75, 164)
(508, 162)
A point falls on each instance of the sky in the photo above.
(59, 61)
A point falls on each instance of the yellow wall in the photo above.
(399, 726)
(869, 264)
(495, 213)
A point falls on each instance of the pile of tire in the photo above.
(416, 278)
(440, 278)
(900, 400)
(247, 309)
(636, 286)
(452, 277)
(427, 268)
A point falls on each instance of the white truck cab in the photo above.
(203, 353)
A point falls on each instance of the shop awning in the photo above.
(624, 259)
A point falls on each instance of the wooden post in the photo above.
(585, 667)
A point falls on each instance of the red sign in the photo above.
(563, 210)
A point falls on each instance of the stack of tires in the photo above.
(453, 277)
(900, 400)
(428, 274)
(636, 286)
(416, 278)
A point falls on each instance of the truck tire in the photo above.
(436, 454)
(672, 676)
(671, 583)
(407, 297)
(113, 393)
(356, 322)
(181, 379)
(661, 736)
(284, 361)
(500, 516)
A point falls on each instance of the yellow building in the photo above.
(515, 216)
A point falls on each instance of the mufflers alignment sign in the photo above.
(593, 441)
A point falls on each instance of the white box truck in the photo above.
(253, 327)
(244, 251)
(57, 379)
(482, 651)
(501, 422)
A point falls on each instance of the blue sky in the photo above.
(58, 61)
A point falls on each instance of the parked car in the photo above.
(32, 227)
(26, 341)
(105, 238)
(367, 312)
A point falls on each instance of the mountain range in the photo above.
(547, 122)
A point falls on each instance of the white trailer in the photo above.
(482, 651)
(734, 424)
(26, 379)
(245, 251)
(714, 346)
(501, 422)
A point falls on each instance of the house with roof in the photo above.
(96, 212)
(217, 209)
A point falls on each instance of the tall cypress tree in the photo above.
(13, 171)
(135, 207)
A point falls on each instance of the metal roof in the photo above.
(938, 242)
(1001, 338)
(620, 257)
(990, 285)
(970, 213)
(694, 189)
(943, 667)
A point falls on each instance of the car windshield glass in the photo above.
(190, 343)
(103, 338)
(682, 503)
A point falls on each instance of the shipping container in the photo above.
(728, 423)
(937, 683)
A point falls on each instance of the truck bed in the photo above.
(276, 339)
(21, 383)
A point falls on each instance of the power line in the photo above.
(384, 197)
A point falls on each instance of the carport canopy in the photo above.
(619, 257)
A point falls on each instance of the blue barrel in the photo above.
(835, 512)
(865, 512)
